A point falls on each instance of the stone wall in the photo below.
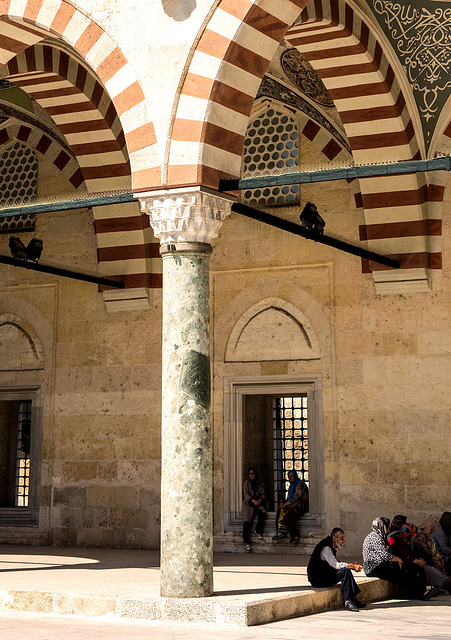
(101, 380)
(101, 437)
(385, 363)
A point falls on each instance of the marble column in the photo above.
(186, 221)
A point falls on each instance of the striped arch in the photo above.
(215, 102)
(102, 116)
(81, 109)
(44, 144)
(370, 102)
(26, 22)
(326, 143)
(225, 72)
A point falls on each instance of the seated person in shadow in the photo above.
(400, 542)
(324, 570)
(295, 506)
(254, 504)
(442, 539)
(425, 541)
(379, 561)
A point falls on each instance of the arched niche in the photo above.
(272, 329)
(20, 347)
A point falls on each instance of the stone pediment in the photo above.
(272, 329)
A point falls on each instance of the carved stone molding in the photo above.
(186, 216)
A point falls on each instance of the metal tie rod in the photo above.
(65, 273)
(291, 227)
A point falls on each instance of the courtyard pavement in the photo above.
(117, 589)
(380, 621)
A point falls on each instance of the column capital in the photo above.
(187, 216)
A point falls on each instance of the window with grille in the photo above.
(290, 442)
(20, 453)
(274, 423)
(22, 475)
(271, 146)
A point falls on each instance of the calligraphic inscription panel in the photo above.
(420, 33)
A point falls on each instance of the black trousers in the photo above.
(331, 576)
(261, 515)
(411, 577)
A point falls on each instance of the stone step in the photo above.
(232, 542)
(250, 588)
(242, 612)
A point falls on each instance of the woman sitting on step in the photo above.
(401, 543)
(295, 506)
(379, 561)
(254, 503)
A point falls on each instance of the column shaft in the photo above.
(186, 485)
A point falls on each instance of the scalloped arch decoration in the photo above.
(272, 329)
(20, 347)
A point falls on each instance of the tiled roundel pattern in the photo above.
(18, 174)
(271, 146)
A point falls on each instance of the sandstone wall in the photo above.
(385, 362)
(101, 380)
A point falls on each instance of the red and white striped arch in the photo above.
(26, 22)
(225, 71)
(219, 89)
(363, 85)
(103, 116)
(81, 108)
(43, 144)
(326, 143)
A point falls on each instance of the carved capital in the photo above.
(186, 216)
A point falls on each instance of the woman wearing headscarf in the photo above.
(379, 561)
(295, 506)
(254, 503)
(401, 544)
(442, 538)
(426, 547)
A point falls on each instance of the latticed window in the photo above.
(18, 183)
(274, 424)
(22, 483)
(290, 442)
(271, 146)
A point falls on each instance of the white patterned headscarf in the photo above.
(380, 526)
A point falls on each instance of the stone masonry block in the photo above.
(70, 496)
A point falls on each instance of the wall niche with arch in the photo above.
(20, 347)
(270, 330)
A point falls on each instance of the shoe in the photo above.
(359, 604)
(350, 606)
(279, 536)
(259, 535)
(248, 547)
(294, 539)
(430, 593)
